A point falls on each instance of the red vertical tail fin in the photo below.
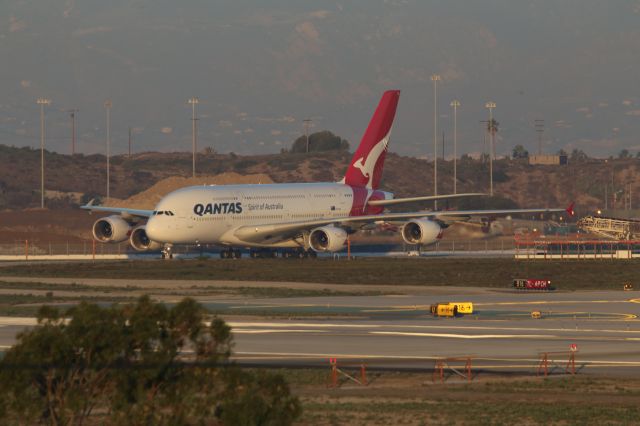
(365, 169)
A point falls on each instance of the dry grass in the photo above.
(496, 273)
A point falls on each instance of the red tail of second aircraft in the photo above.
(365, 169)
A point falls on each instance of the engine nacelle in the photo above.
(111, 229)
(141, 242)
(327, 238)
(421, 231)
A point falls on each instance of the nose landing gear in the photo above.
(166, 252)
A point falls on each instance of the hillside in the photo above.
(74, 179)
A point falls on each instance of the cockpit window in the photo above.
(160, 212)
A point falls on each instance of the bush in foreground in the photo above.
(135, 364)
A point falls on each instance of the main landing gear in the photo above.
(299, 253)
(263, 254)
(166, 252)
(230, 254)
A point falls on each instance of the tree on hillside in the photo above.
(520, 152)
(320, 141)
(624, 154)
(136, 364)
(578, 155)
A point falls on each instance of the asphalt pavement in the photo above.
(601, 328)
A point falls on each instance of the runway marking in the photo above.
(274, 306)
(17, 321)
(26, 321)
(390, 310)
(550, 302)
(466, 336)
(267, 331)
(408, 326)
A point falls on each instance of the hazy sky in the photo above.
(261, 67)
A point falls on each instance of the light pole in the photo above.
(539, 125)
(193, 101)
(72, 113)
(307, 122)
(42, 102)
(491, 106)
(455, 104)
(435, 78)
(107, 106)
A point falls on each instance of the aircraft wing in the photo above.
(425, 198)
(282, 231)
(126, 213)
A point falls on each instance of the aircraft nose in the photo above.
(153, 229)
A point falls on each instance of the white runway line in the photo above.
(280, 330)
(467, 336)
(425, 327)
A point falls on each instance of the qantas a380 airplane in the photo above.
(310, 217)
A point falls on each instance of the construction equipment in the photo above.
(610, 227)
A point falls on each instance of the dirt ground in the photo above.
(46, 226)
(415, 399)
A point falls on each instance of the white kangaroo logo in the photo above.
(367, 167)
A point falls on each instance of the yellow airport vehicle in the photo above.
(536, 315)
(451, 309)
(627, 287)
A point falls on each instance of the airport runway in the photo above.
(500, 336)
(398, 332)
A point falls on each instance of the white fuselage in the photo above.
(209, 214)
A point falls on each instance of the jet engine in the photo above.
(141, 242)
(327, 238)
(421, 231)
(111, 229)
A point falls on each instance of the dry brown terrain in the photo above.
(72, 177)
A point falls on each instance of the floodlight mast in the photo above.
(490, 106)
(42, 102)
(435, 78)
(455, 104)
(193, 101)
(107, 105)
